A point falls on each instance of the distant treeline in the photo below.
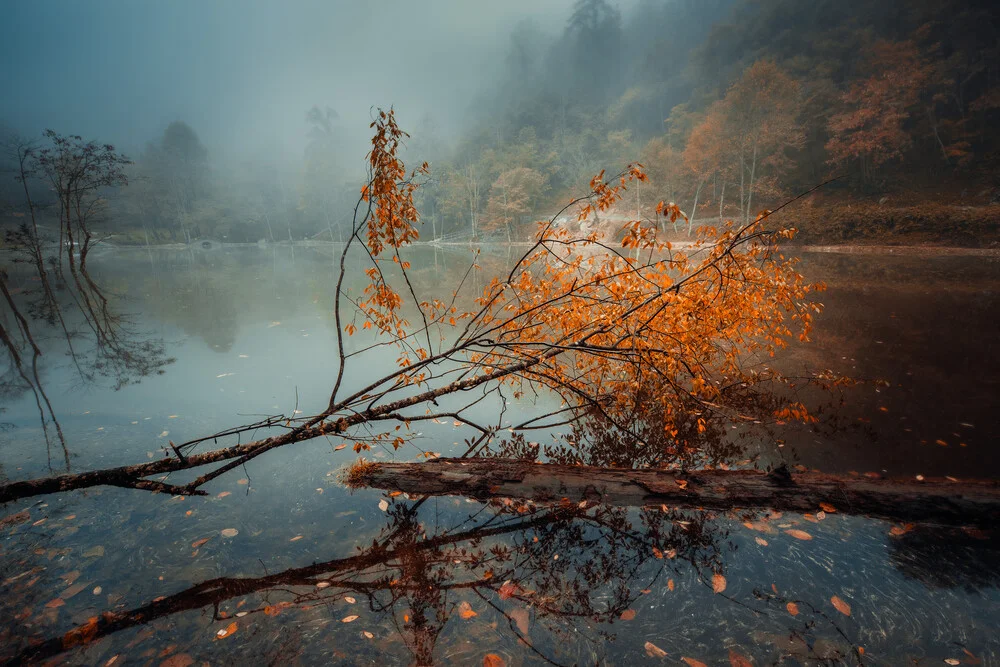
(730, 105)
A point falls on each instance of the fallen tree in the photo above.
(928, 500)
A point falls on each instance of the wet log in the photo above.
(935, 500)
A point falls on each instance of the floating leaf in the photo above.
(828, 508)
(521, 618)
(952, 661)
(693, 663)
(226, 631)
(223, 494)
(628, 615)
(198, 543)
(841, 606)
(340, 446)
(296, 538)
(799, 534)
(349, 619)
(323, 584)
(243, 481)
(718, 583)
(654, 651)
(670, 584)
(465, 610)
(493, 660)
(229, 532)
(179, 660)
(383, 504)
(761, 541)
(792, 608)
(54, 604)
(368, 635)
(737, 660)
(508, 590)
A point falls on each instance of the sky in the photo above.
(243, 73)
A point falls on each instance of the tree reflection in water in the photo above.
(553, 575)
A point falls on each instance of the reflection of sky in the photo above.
(275, 307)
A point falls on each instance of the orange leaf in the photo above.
(349, 619)
(521, 618)
(670, 584)
(737, 660)
(799, 534)
(628, 615)
(841, 606)
(792, 608)
(198, 543)
(228, 630)
(465, 610)
(693, 663)
(654, 651)
(81, 635)
(828, 508)
(493, 660)
(718, 583)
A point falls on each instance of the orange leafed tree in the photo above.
(870, 131)
(512, 196)
(594, 322)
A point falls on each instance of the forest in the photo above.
(731, 106)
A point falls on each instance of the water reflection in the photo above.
(554, 578)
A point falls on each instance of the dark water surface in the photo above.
(447, 581)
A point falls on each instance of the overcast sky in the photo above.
(243, 73)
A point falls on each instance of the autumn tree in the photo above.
(870, 131)
(761, 127)
(512, 196)
(704, 156)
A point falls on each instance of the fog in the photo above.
(243, 74)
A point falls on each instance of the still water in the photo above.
(281, 564)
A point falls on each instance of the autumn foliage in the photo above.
(592, 321)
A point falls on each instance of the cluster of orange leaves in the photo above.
(594, 319)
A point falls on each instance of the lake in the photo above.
(281, 564)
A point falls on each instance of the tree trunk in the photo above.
(933, 500)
